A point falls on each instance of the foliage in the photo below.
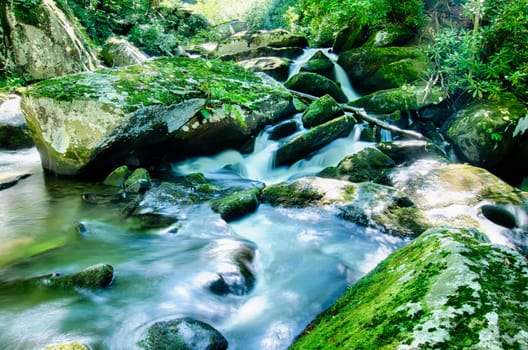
(271, 14)
(491, 56)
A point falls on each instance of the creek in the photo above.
(305, 258)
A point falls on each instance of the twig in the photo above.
(361, 114)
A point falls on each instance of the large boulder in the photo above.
(316, 85)
(320, 111)
(393, 35)
(321, 64)
(447, 288)
(313, 139)
(183, 334)
(492, 134)
(276, 67)
(41, 41)
(399, 65)
(405, 98)
(350, 37)
(119, 52)
(169, 107)
(14, 132)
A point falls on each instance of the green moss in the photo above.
(163, 81)
(118, 177)
(289, 195)
(236, 205)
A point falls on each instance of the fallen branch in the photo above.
(361, 114)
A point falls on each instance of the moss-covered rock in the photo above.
(492, 134)
(281, 52)
(237, 205)
(313, 139)
(350, 37)
(183, 334)
(119, 52)
(14, 133)
(316, 85)
(169, 107)
(276, 67)
(321, 64)
(369, 164)
(393, 35)
(283, 129)
(405, 98)
(138, 181)
(396, 74)
(67, 346)
(363, 63)
(43, 42)
(449, 288)
(118, 177)
(409, 151)
(320, 111)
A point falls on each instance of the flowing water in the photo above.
(305, 258)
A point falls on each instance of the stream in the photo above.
(305, 258)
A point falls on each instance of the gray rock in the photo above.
(276, 67)
(316, 85)
(119, 52)
(14, 132)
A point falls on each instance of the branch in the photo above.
(361, 114)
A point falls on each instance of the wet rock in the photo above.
(139, 181)
(283, 129)
(448, 286)
(119, 52)
(321, 64)
(14, 132)
(276, 67)
(321, 110)
(7, 183)
(492, 134)
(369, 164)
(92, 122)
(237, 205)
(43, 42)
(409, 151)
(67, 346)
(406, 98)
(118, 177)
(394, 35)
(350, 37)
(313, 139)
(316, 85)
(280, 52)
(183, 334)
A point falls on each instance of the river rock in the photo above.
(183, 334)
(138, 181)
(350, 37)
(237, 205)
(321, 64)
(14, 132)
(366, 204)
(398, 66)
(169, 107)
(119, 52)
(283, 129)
(316, 85)
(67, 346)
(276, 67)
(393, 35)
(321, 110)
(313, 139)
(369, 164)
(492, 134)
(281, 52)
(405, 98)
(251, 40)
(448, 286)
(42, 41)
(409, 151)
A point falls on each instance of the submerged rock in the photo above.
(237, 205)
(313, 139)
(183, 334)
(449, 287)
(169, 107)
(316, 85)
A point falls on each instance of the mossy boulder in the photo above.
(118, 177)
(405, 98)
(321, 110)
(363, 63)
(138, 181)
(369, 164)
(366, 204)
(409, 151)
(313, 139)
(492, 134)
(393, 35)
(14, 133)
(448, 288)
(350, 37)
(169, 107)
(42, 41)
(67, 346)
(237, 205)
(250, 40)
(260, 52)
(316, 85)
(321, 64)
(183, 334)
(119, 52)
(395, 74)
(276, 67)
